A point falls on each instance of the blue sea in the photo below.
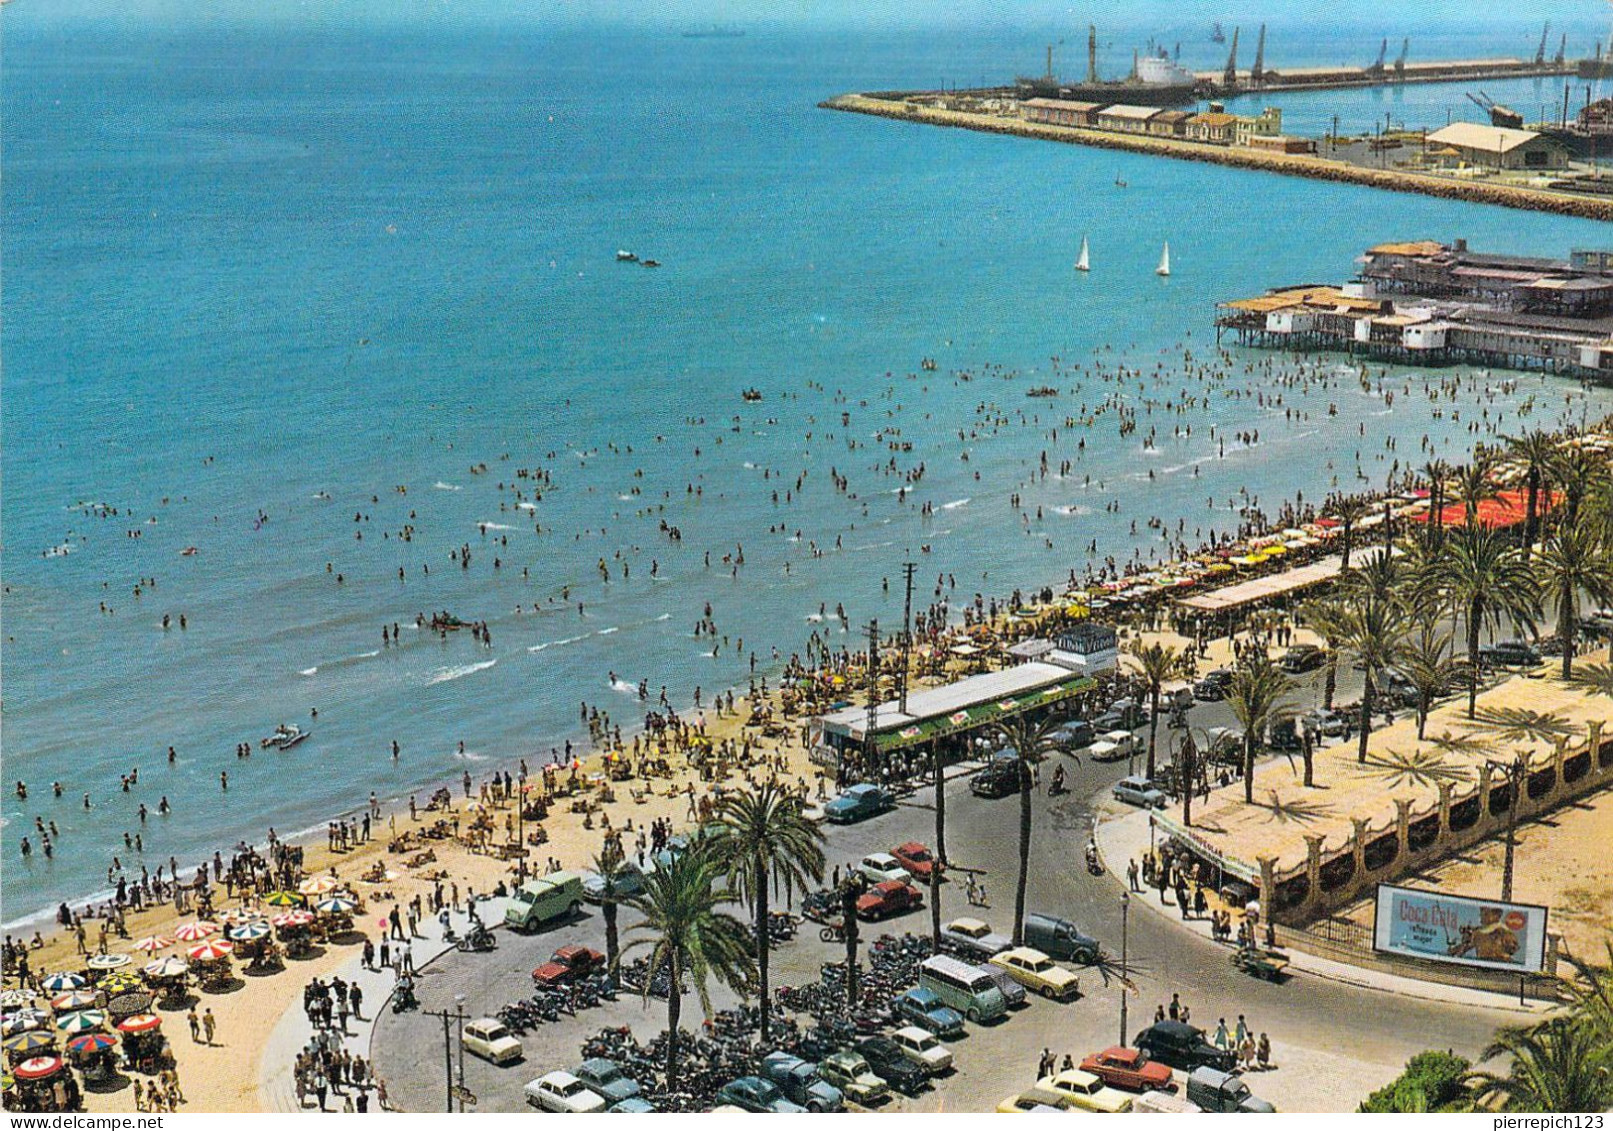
(320, 299)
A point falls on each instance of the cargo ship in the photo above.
(1155, 80)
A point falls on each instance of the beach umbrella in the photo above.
(11, 999)
(293, 919)
(247, 932)
(18, 1024)
(318, 885)
(336, 905)
(196, 932)
(126, 1004)
(210, 951)
(153, 943)
(31, 1041)
(38, 1068)
(83, 1021)
(108, 961)
(73, 999)
(62, 982)
(92, 1042)
(166, 968)
(283, 899)
(125, 981)
(140, 1023)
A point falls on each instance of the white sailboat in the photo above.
(1164, 268)
(1083, 263)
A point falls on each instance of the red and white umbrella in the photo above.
(197, 931)
(140, 1023)
(169, 967)
(210, 951)
(151, 944)
(38, 1068)
(318, 885)
(293, 919)
(73, 999)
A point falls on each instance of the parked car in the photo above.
(973, 938)
(490, 1040)
(1113, 746)
(878, 867)
(1182, 1046)
(1060, 938)
(893, 897)
(1510, 654)
(1027, 1102)
(923, 1049)
(752, 1093)
(1129, 1069)
(561, 1091)
(1218, 1091)
(916, 859)
(1331, 724)
(1284, 736)
(629, 882)
(800, 1082)
(567, 964)
(1223, 744)
(849, 1072)
(1302, 658)
(607, 1078)
(1212, 686)
(1038, 973)
(887, 1062)
(1075, 735)
(1163, 1103)
(1138, 790)
(999, 779)
(543, 900)
(923, 1008)
(1075, 1090)
(1013, 993)
(859, 803)
(633, 1105)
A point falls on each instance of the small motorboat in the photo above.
(751, 395)
(188, 552)
(623, 256)
(650, 262)
(284, 737)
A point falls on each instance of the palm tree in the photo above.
(613, 869)
(765, 839)
(1486, 581)
(1582, 474)
(1436, 471)
(1537, 450)
(1258, 698)
(1558, 1066)
(1032, 740)
(1370, 620)
(1430, 666)
(1349, 510)
(1324, 617)
(1474, 484)
(688, 933)
(1159, 662)
(1575, 560)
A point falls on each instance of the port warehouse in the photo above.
(1214, 126)
(1426, 303)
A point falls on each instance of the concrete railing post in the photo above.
(1444, 811)
(1402, 827)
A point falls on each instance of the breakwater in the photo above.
(1287, 164)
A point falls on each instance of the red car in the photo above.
(1129, 1069)
(889, 898)
(568, 963)
(916, 859)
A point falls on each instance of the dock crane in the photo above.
(1540, 52)
(1229, 77)
(1257, 73)
(1376, 70)
(1562, 51)
(1400, 61)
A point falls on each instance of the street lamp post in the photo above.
(459, 1017)
(1125, 910)
(520, 829)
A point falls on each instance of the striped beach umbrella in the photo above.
(210, 951)
(336, 905)
(60, 983)
(248, 932)
(140, 1023)
(197, 931)
(169, 967)
(73, 999)
(38, 1068)
(108, 961)
(92, 1042)
(84, 1021)
(293, 919)
(16, 1023)
(318, 885)
(31, 1041)
(12, 999)
(283, 899)
(123, 982)
(151, 944)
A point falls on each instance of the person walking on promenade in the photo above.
(1131, 875)
(195, 1025)
(397, 923)
(356, 996)
(209, 1024)
(1175, 1009)
(1222, 1038)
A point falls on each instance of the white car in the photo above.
(881, 867)
(562, 1092)
(922, 1048)
(490, 1040)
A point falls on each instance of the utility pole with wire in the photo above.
(908, 569)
